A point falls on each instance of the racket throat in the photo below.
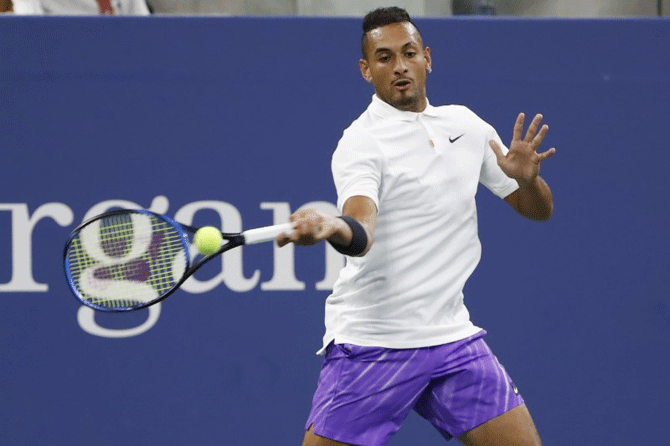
(237, 240)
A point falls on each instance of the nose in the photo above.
(400, 66)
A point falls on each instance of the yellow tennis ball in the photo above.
(208, 240)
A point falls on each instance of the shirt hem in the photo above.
(431, 342)
(504, 192)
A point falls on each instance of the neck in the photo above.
(416, 105)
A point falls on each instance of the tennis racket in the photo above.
(130, 259)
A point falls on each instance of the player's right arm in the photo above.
(357, 166)
(312, 226)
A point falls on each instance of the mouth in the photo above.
(402, 84)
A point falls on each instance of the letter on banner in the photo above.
(86, 315)
(22, 246)
(86, 320)
(159, 205)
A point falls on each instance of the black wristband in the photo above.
(359, 238)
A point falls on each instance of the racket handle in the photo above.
(266, 233)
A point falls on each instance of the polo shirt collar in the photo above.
(387, 111)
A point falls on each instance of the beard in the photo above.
(406, 101)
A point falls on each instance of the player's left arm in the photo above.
(533, 199)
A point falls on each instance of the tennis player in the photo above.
(398, 336)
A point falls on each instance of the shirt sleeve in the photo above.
(357, 168)
(27, 7)
(491, 174)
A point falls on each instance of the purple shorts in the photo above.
(364, 393)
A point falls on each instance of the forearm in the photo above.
(352, 238)
(343, 233)
(363, 212)
(534, 200)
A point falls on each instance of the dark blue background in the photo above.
(249, 110)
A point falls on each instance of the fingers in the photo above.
(544, 155)
(531, 133)
(310, 227)
(518, 127)
(532, 128)
(537, 139)
(306, 231)
(533, 136)
(282, 240)
(496, 149)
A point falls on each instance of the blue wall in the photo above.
(192, 113)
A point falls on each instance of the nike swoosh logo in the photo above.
(456, 138)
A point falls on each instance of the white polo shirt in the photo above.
(422, 171)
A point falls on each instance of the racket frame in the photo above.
(233, 240)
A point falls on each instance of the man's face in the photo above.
(396, 63)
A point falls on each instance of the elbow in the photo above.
(539, 214)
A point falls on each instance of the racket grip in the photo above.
(267, 233)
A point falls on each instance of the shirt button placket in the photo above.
(431, 134)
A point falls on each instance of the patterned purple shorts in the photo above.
(364, 393)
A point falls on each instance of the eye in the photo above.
(384, 58)
(410, 53)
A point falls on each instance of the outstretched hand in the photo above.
(522, 162)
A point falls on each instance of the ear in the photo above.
(429, 60)
(365, 70)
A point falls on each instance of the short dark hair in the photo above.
(382, 17)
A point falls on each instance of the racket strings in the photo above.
(125, 262)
